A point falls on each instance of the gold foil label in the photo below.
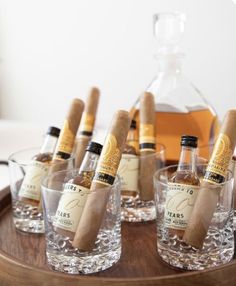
(147, 134)
(180, 200)
(70, 207)
(88, 121)
(66, 140)
(31, 185)
(110, 159)
(219, 162)
(128, 171)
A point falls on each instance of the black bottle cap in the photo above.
(94, 147)
(133, 124)
(189, 141)
(54, 131)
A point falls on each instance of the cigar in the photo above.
(87, 125)
(147, 146)
(67, 136)
(95, 206)
(210, 188)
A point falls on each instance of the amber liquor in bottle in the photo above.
(182, 189)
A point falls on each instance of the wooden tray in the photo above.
(23, 261)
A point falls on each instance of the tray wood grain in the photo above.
(23, 261)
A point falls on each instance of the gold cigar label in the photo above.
(67, 136)
(89, 115)
(147, 138)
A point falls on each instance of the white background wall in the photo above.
(54, 50)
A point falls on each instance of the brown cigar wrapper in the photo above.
(81, 145)
(207, 198)
(73, 119)
(92, 101)
(146, 171)
(147, 163)
(95, 206)
(90, 110)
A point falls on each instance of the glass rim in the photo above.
(116, 184)
(213, 186)
(21, 151)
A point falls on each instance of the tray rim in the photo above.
(8, 261)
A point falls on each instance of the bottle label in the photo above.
(128, 171)
(66, 142)
(180, 200)
(107, 167)
(88, 121)
(147, 137)
(217, 168)
(70, 207)
(31, 185)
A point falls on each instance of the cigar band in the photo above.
(85, 133)
(217, 168)
(147, 147)
(147, 130)
(66, 140)
(31, 185)
(109, 159)
(180, 199)
(62, 156)
(87, 123)
(104, 179)
(147, 138)
(70, 207)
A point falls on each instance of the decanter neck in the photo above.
(169, 63)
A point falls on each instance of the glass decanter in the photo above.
(180, 107)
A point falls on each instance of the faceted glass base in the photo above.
(27, 218)
(135, 210)
(86, 264)
(218, 247)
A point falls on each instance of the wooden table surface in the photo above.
(23, 261)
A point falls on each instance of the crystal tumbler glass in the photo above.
(218, 245)
(61, 254)
(26, 175)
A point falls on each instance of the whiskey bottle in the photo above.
(129, 165)
(182, 188)
(75, 193)
(132, 138)
(30, 189)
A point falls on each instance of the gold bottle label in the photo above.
(88, 121)
(70, 207)
(108, 165)
(66, 142)
(31, 185)
(147, 137)
(180, 200)
(217, 168)
(128, 171)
